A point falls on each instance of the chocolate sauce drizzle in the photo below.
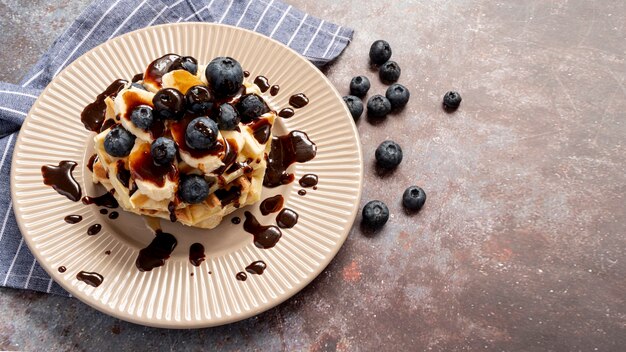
(105, 200)
(144, 168)
(286, 113)
(123, 175)
(274, 90)
(138, 77)
(298, 100)
(308, 180)
(157, 252)
(287, 218)
(73, 219)
(61, 179)
(196, 254)
(271, 204)
(262, 83)
(227, 196)
(94, 114)
(264, 236)
(171, 207)
(91, 161)
(90, 278)
(104, 211)
(286, 150)
(261, 130)
(159, 67)
(94, 229)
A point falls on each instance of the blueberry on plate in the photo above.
(198, 99)
(414, 198)
(378, 106)
(380, 52)
(388, 155)
(228, 117)
(452, 100)
(189, 64)
(375, 214)
(355, 105)
(142, 117)
(250, 107)
(201, 133)
(119, 142)
(138, 85)
(398, 95)
(169, 104)
(389, 72)
(359, 86)
(193, 189)
(163, 151)
(225, 76)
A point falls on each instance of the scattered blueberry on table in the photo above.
(355, 105)
(375, 214)
(389, 72)
(380, 52)
(414, 198)
(452, 100)
(388, 155)
(398, 95)
(359, 86)
(378, 106)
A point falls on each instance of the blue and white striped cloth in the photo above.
(316, 39)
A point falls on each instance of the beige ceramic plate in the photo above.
(180, 295)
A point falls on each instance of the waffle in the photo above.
(235, 174)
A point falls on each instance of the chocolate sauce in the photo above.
(196, 254)
(91, 161)
(104, 211)
(274, 90)
(236, 220)
(133, 189)
(105, 200)
(73, 219)
(123, 175)
(61, 179)
(302, 192)
(257, 267)
(114, 215)
(287, 218)
(179, 129)
(261, 130)
(286, 113)
(286, 150)
(155, 254)
(107, 124)
(263, 83)
(229, 196)
(94, 114)
(91, 279)
(133, 100)
(62, 269)
(159, 67)
(144, 168)
(171, 207)
(138, 77)
(94, 229)
(298, 100)
(230, 155)
(107, 252)
(241, 276)
(246, 73)
(308, 180)
(271, 204)
(264, 236)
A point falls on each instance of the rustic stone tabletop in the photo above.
(521, 245)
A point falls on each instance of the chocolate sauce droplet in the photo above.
(286, 150)
(104, 211)
(261, 130)
(236, 220)
(271, 204)
(264, 236)
(123, 175)
(114, 215)
(274, 90)
(298, 100)
(107, 252)
(61, 179)
(91, 161)
(138, 77)
(287, 218)
(196, 254)
(62, 269)
(241, 276)
(286, 113)
(171, 207)
(94, 114)
(308, 180)
(263, 83)
(94, 229)
(90, 278)
(302, 192)
(157, 252)
(257, 267)
(246, 73)
(105, 200)
(73, 219)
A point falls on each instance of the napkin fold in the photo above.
(317, 40)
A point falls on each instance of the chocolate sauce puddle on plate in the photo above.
(302, 192)
(105, 200)
(157, 252)
(73, 219)
(298, 100)
(308, 180)
(61, 179)
(241, 276)
(271, 204)
(274, 90)
(62, 269)
(286, 150)
(287, 218)
(94, 229)
(93, 115)
(257, 267)
(263, 83)
(90, 278)
(286, 113)
(264, 236)
(196, 254)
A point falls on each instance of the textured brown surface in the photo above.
(521, 243)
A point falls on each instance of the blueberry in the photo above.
(228, 117)
(189, 64)
(119, 142)
(452, 100)
(142, 117)
(359, 86)
(169, 104)
(388, 154)
(414, 198)
(355, 105)
(193, 189)
(163, 151)
(198, 99)
(380, 52)
(225, 76)
(378, 106)
(138, 85)
(389, 72)
(398, 95)
(201, 133)
(250, 107)
(375, 214)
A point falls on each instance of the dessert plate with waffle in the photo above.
(187, 175)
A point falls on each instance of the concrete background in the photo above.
(521, 244)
